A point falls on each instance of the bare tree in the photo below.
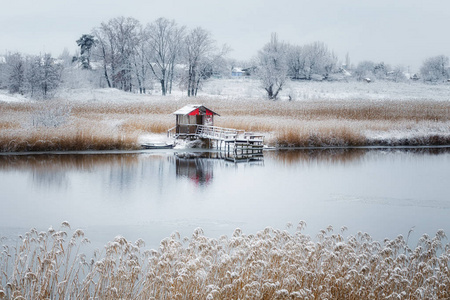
(313, 59)
(319, 60)
(163, 40)
(365, 69)
(348, 65)
(382, 70)
(397, 74)
(16, 73)
(201, 57)
(435, 68)
(296, 62)
(140, 64)
(272, 68)
(43, 76)
(116, 46)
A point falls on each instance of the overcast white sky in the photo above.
(393, 31)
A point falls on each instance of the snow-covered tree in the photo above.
(312, 60)
(201, 57)
(364, 70)
(16, 73)
(435, 69)
(164, 41)
(140, 62)
(397, 74)
(3, 73)
(272, 69)
(86, 43)
(347, 65)
(381, 70)
(296, 62)
(43, 76)
(319, 60)
(117, 41)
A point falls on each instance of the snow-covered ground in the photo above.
(6, 97)
(246, 88)
(337, 90)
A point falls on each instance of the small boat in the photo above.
(157, 146)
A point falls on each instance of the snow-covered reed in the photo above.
(271, 264)
(102, 125)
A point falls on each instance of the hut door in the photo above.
(199, 120)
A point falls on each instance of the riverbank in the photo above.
(115, 120)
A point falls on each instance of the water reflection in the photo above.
(126, 170)
(51, 170)
(67, 162)
(332, 156)
(199, 170)
(342, 155)
(151, 194)
(198, 167)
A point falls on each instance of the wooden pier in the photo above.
(223, 139)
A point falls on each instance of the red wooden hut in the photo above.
(190, 116)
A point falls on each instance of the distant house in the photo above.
(414, 77)
(2, 60)
(249, 71)
(237, 72)
(240, 72)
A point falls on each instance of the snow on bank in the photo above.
(337, 90)
(150, 138)
(6, 97)
(110, 94)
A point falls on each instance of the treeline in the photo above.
(125, 54)
(132, 55)
(279, 61)
(37, 76)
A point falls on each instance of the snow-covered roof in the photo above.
(190, 108)
(237, 70)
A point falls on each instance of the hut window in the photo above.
(192, 119)
(183, 119)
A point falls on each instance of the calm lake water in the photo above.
(149, 195)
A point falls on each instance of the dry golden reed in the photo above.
(271, 264)
(71, 125)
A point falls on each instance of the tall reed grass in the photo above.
(271, 264)
(70, 125)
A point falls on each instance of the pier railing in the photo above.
(217, 133)
(221, 134)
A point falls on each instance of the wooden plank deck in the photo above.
(226, 139)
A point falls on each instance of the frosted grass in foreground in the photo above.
(271, 264)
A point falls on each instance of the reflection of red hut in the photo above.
(199, 170)
(190, 116)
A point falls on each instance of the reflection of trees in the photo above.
(52, 169)
(340, 156)
(317, 155)
(44, 178)
(64, 162)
